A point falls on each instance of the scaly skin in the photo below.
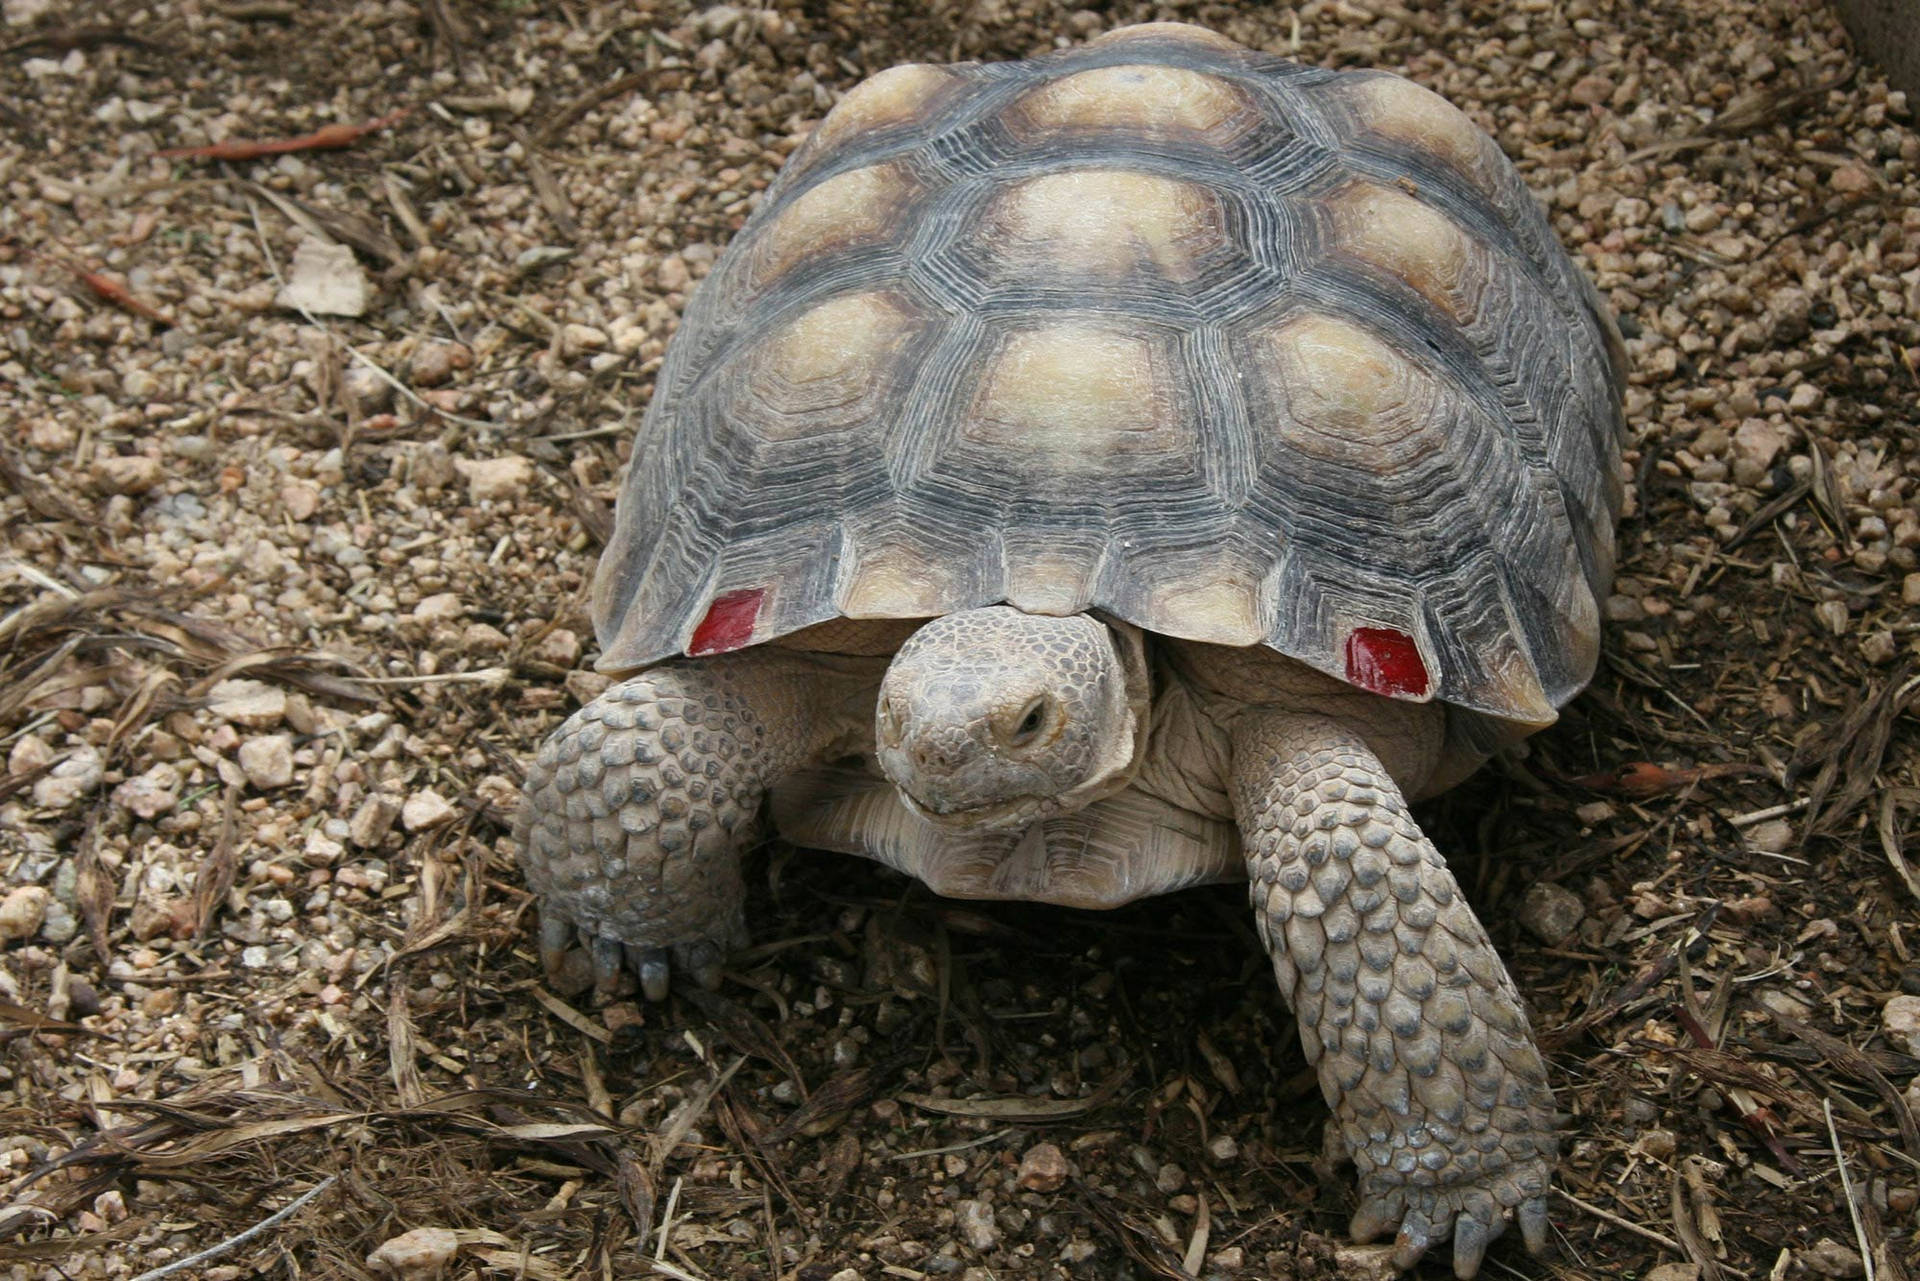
(1423, 1050)
(639, 806)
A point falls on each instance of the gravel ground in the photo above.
(286, 596)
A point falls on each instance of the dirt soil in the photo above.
(287, 598)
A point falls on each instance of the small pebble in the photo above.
(1550, 912)
(135, 474)
(1043, 1168)
(69, 780)
(507, 476)
(442, 607)
(325, 280)
(152, 793)
(373, 820)
(252, 704)
(977, 1225)
(561, 647)
(1900, 1021)
(267, 761)
(425, 809)
(419, 1255)
(433, 363)
(1828, 1258)
(22, 912)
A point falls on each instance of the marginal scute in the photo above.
(832, 355)
(1042, 583)
(1220, 610)
(1074, 396)
(1105, 223)
(1347, 394)
(1409, 113)
(1408, 239)
(858, 207)
(1145, 97)
(1516, 686)
(892, 97)
(1185, 32)
(892, 580)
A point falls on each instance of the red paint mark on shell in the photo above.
(729, 623)
(1385, 661)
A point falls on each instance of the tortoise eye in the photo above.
(1032, 718)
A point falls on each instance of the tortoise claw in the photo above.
(1470, 1238)
(608, 956)
(654, 969)
(1415, 1235)
(1533, 1224)
(556, 936)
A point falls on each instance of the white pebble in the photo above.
(504, 477)
(71, 779)
(22, 912)
(267, 761)
(1900, 1020)
(254, 704)
(425, 809)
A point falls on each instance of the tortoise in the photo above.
(1149, 464)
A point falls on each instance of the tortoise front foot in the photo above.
(637, 810)
(1473, 1212)
(612, 960)
(1423, 1050)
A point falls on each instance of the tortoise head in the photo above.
(993, 718)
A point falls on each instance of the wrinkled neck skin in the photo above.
(991, 719)
(1209, 694)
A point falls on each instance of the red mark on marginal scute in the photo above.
(1385, 661)
(729, 623)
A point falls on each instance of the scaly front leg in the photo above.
(638, 808)
(1423, 1050)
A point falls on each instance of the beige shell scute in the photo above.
(1182, 334)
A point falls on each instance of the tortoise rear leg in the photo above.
(638, 808)
(1423, 1049)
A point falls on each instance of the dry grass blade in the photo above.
(1021, 1108)
(1684, 1227)
(93, 889)
(571, 1017)
(1849, 756)
(743, 1030)
(751, 1143)
(233, 1243)
(838, 1095)
(43, 499)
(26, 1020)
(1141, 1244)
(1887, 827)
(217, 873)
(1747, 115)
(573, 111)
(1844, 1058)
(355, 229)
(1638, 988)
(637, 1191)
(688, 1114)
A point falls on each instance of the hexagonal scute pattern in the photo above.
(1229, 348)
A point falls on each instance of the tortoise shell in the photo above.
(1225, 347)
